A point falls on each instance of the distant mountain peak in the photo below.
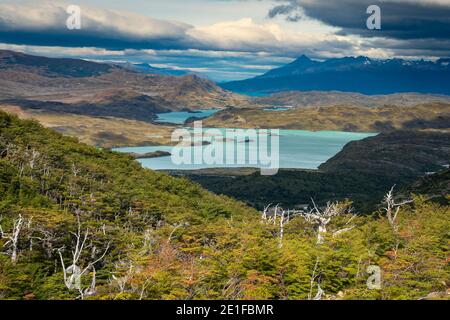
(302, 58)
(352, 74)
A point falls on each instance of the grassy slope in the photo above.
(105, 187)
(302, 99)
(105, 132)
(341, 118)
(103, 170)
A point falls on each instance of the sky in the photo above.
(226, 39)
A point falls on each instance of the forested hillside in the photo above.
(69, 209)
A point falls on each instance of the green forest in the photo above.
(79, 222)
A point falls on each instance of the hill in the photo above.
(435, 186)
(147, 68)
(82, 223)
(351, 74)
(338, 118)
(51, 67)
(50, 179)
(303, 99)
(398, 153)
(91, 88)
(104, 132)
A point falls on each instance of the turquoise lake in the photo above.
(297, 149)
(181, 116)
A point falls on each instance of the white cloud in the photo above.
(122, 33)
(247, 35)
(131, 31)
(96, 20)
(62, 51)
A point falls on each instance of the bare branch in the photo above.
(76, 272)
(13, 237)
(392, 208)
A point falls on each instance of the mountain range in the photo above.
(109, 105)
(148, 68)
(86, 86)
(127, 232)
(305, 99)
(351, 74)
(102, 104)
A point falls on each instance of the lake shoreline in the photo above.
(295, 149)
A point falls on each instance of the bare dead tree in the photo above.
(75, 170)
(144, 286)
(74, 273)
(279, 216)
(29, 227)
(322, 218)
(392, 208)
(314, 276)
(283, 220)
(320, 292)
(147, 242)
(46, 238)
(33, 157)
(13, 237)
(316, 216)
(124, 272)
(175, 228)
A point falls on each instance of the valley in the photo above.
(153, 231)
(159, 237)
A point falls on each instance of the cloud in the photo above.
(247, 35)
(64, 51)
(217, 65)
(221, 49)
(45, 25)
(401, 19)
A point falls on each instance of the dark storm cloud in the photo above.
(400, 19)
(45, 25)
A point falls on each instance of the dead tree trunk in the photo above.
(392, 208)
(315, 274)
(322, 218)
(74, 273)
(278, 216)
(13, 238)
